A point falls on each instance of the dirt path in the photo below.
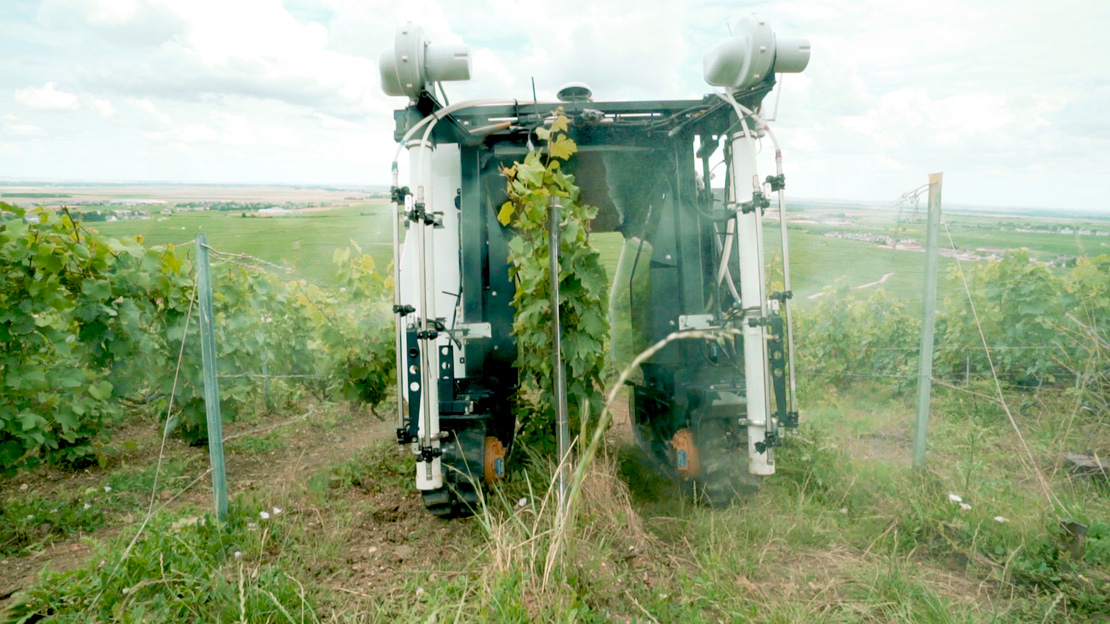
(881, 280)
(309, 448)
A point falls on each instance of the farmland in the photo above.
(325, 526)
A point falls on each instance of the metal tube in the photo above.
(786, 284)
(928, 314)
(753, 300)
(561, 419)
(425, 377)
(211, 382)
(399, 317)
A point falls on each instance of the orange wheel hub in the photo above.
(687, 461)
(495, 460)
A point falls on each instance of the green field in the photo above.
(304, 242)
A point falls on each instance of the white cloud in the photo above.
(23, 130)
(104, 107)
(288, 89)
(147, 107)
(47, 97)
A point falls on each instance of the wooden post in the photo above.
(211, 383)
(928, 315)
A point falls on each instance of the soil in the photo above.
(309, 448)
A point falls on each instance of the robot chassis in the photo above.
(710, 411)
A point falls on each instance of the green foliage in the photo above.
(846, 338)
(1044, 327)
(87, 321)
(530, 185)
(74, 314)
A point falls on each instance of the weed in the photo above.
(27, 523)
(197, 570)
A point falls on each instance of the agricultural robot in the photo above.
(710, 410)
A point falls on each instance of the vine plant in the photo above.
(530, 184)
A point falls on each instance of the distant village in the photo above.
(886, 241)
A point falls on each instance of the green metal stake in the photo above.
(211, 384)
(266, 378)
(925, 371)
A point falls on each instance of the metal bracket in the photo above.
(404, 436)
(791, 420)
(777, 182)
(695, 321)
(428, 453)
(758, 321)
(782, 296)
(472, 331)
(398, 194)
(758, 201)
(770, 440)
(436, 326)
(403, 310)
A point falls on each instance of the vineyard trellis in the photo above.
(1016, 323)
(93, 328)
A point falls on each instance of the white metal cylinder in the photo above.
(429, 475)
(446, 62)
(749, 242)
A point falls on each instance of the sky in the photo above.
(1008, 98)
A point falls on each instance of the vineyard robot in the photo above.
(709, 410)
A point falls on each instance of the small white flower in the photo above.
(30, 516)
(276, 510)
(107, 488)
(1001, 519)
(419, 591)
(127, 590)
(662, 596)
(88, 506)
(265, 515)
(843, 510)
(955, 498)
(252, 525)
(521, 503)
(238, 554)
(965, 507)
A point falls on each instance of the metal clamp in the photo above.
(404, 436)
(398, 194)
(428, 453)
(777, 182)
(770, 441)
(759, 201)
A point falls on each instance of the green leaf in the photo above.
(505, 215)
(562, 148)
(101, 390)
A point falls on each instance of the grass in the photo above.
(841, 534)
(305, 242)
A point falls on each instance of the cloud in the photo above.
(148, 108)
(47, 97)
(288, 89)
(204, 48)
(104, 107)
(13, 127)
